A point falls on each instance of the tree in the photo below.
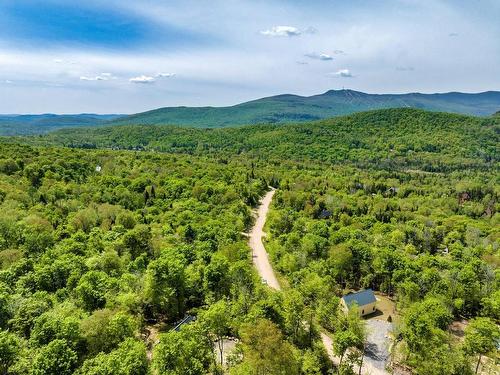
(57, 358)
(105, 329)
(128, 359)
(481, 337)
(9, 348)
(4, 305)
(91, 290)
(265, 351)
(165, 285)
(293, 312)
(138, 240)
(216, 277)
(350, 333)
(184, 352)
(28, 309)
(216, 320)
(343, 340)
(424, 324)
(53, 325)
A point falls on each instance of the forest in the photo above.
(110, 236)
(392, 138)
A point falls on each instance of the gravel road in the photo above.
(259, 254)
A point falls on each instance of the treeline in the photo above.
(393, 138)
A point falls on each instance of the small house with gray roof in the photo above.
(364, 299)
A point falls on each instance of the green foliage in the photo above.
(265, 351)
(128, 359)
(105, 329)
(57, 358)
(93, 262)
(9, 348)
(481, 336)
(91, 290)
(392, 139)
(183, 352)
(165, 285)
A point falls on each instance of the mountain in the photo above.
(272, 110)
(294, 108)
(394, 138)
(38, 124)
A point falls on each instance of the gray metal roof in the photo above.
(187, 319)
(361, 298)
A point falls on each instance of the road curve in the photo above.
(259, 254)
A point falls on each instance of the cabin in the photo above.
(364, 299)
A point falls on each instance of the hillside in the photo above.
(38, 124)
(294, 108)
(402, 137)
(272, 110)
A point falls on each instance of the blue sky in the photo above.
(118, 56)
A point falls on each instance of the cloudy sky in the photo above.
(117, 56)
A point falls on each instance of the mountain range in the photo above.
(285, 108)
(44, 123)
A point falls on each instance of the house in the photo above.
(364, 299)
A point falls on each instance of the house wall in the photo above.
(367, 309)
(363, 310)
(343, 306)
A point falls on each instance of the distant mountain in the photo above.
(37, 124)
(294, 108)
(272, 110)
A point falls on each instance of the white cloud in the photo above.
(344, 73)
(142, 79)
(282, 31)
(100, 77)
(58, 61)
(319, 56)
(165, 75)
(338, 52)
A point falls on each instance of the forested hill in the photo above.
(272, 110)
(294, 108)
(38, 124)
(392, 137)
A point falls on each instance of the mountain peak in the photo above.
(341, 92)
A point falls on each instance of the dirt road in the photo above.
(266, 272)
(261, 259)
(259, 254)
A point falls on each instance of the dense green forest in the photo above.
(394, 138)
(284, 109)
(103, 251)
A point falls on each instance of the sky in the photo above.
(117, 56)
